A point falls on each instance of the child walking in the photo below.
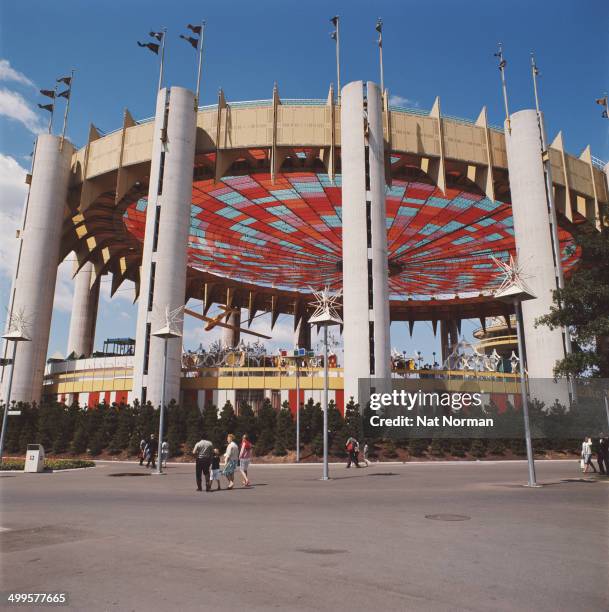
(215, 469)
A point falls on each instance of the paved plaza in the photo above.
(362, 541)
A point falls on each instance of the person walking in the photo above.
(231, 457)
(602, 456)
(142, 450)
(203, 452)
(587, 455)
(150, 452)
(365, 454)
(215, 469)
(352, 446)
(164, 453)
(245, 456)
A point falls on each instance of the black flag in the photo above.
(64, 94)
(152, 46)
(193, 41)
(157, 35)
(334, 20)
(49, 93)
(602, 101)
(194, 28)
(48, 107)
(67, 80)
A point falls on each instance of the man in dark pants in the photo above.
(150, 452)
(602, 455)
(352, 446)
(203, 452)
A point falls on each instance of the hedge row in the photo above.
(49, 464)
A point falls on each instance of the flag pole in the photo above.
(65, 115)
(379, 29)
(547, 168)
(502, 64)
(202, 37)
(53, 111)
(162, 59)
(338, 59)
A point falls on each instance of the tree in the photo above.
(211, 425)
(353, 420)
(267, 420)
(228, 421)
(194, 426)
(247, 423)
(583, 307)
(284, 432)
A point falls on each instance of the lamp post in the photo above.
(514, 291)
(325, 315)
(166, 333)
(14, 336)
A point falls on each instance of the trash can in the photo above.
(34, 459)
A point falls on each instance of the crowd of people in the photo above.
(601, 450)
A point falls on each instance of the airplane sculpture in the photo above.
(217, 321)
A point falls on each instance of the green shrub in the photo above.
(390, 450)
(49, 464)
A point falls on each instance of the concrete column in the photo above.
(449, 337)
(378, 226)
(163, 271)
(356, 339)
(36, 274)
(302, 335)
(533, 240)
(231, 337)
(84, 313)
(365, 270)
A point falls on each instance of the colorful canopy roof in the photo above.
(287, 234)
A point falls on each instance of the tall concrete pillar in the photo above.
(84, 313)
(449, 337)
(533, 240)
(163, 271)
(231, 337)
(365, 269)
(302, 334)
(34, 284)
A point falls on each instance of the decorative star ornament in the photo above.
(325, 304)
(171, 328)
(513, 283)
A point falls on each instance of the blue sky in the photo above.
(433, 48)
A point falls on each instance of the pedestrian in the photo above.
(245, 456)
(215, 469)
(587, 455)
(352, 446)
(164, 453)
(602, 455)
(365, 454)
(142, 450)
(150, 452)
(203, 452)
(231, 457)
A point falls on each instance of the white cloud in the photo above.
(14, 106)
(401, 101)
(8, 73)
(64, 287)
(13, 189)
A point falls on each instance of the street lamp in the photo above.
(166, 333)
(325, 315)
(14, 336)
(513, 290)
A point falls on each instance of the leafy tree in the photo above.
(227, 421)
(122, 434)
(194, 426)
(583, 307)
(317, 445)
(211, 425)
(80, 438)
(353, 420)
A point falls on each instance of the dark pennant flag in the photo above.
(66, 80)
(152, 46)
(64, 94)
(193, 41)
(49, 93)
(157, 35)
(334, 20)
(194, 28)
(48, 107)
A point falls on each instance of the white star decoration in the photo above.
(325, 304)
(512, 278)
